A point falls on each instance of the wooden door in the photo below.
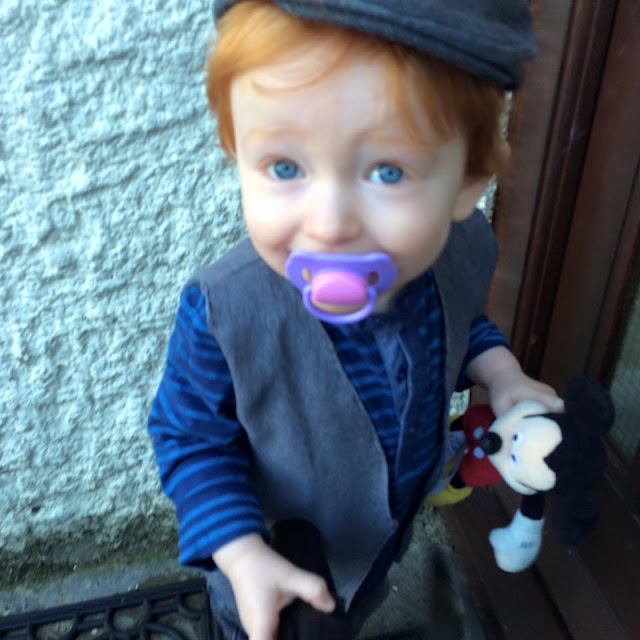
(567, 292)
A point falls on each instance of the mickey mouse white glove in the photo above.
(517, 546)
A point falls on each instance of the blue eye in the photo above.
(284, 170)
(386, 174)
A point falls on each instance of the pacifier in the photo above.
(340, 287)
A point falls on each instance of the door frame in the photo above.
(567, 219)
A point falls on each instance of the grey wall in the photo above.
(112, 191)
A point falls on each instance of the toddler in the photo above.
(310, 370)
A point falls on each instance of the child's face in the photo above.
(331, 167)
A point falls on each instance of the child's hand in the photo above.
(506, 383)
(507, 390)
(264, 583)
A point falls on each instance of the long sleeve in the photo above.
(200, 447)
(483, 335)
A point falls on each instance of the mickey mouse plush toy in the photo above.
(533, 451)
(536, 452)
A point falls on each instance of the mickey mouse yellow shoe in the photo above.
(449, 495)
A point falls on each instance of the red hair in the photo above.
(255, 33)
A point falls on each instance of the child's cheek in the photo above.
(416, 238)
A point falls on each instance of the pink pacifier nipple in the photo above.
(340, 287)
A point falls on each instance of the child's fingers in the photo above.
(546, 396)
(312, 589)
(508, 397)
(553, 403)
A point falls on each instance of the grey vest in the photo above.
(315, 452)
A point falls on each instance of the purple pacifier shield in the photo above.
(341, 279)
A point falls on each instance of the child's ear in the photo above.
(468, 196)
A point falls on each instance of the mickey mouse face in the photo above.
(517, 445)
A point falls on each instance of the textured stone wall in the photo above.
(112, 191)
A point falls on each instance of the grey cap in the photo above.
(487, 38)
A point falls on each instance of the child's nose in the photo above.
(331, 215)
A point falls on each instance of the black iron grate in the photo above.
(177, 611)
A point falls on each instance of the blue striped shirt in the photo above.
(202, 451)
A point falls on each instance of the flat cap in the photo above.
(487, 38)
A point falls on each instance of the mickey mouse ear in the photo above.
(590, 402)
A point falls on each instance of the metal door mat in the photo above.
(178, 611)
